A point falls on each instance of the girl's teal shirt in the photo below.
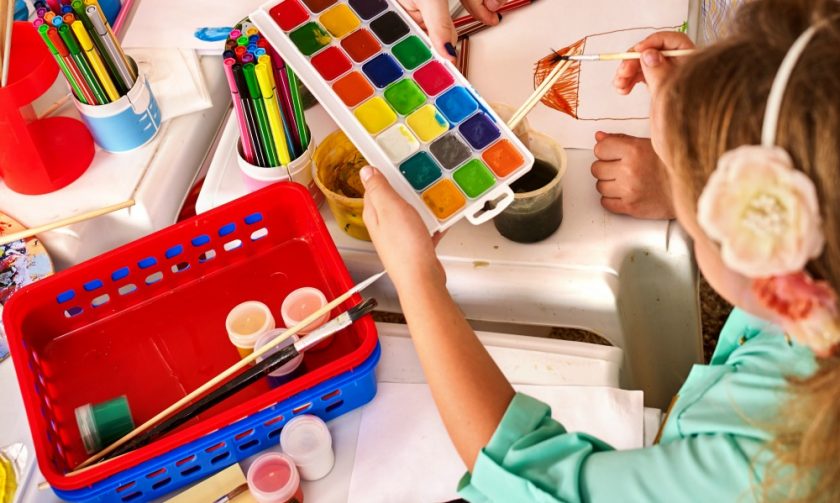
(712, 448)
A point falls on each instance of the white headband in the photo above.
(777, 91)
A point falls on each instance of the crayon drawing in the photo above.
(502, 64)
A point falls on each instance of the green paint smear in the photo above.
(412, 52)
(310, 38)
(474, 178)
(405, 96)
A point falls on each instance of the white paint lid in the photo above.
(307, 440)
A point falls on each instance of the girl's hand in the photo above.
(484, 10)
(399, 235)
(652, 68)
(433, 16)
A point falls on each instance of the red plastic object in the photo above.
(37, 155)
(147, 320)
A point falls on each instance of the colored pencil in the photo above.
(510, 6)
(93, 57)
(230, 371)
(250, 115)
(269, 95)
(262, 117)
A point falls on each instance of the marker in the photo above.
(287, 119)
(112, 47)
(247, 143)
(69, 18)
(81, 15)
(84, 68)
(262, 116)
(247, 58)
(300, 118)
(62, 62)
(87, 93)
(48, 17)
(243, 40)
(250, 114)
(234, 34)
(95, 60)
(282, 84)
(266, 83)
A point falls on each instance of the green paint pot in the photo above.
(103, 423)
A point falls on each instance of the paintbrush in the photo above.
(241, 488)
(7, 21)
(621, 56)
(236, 367)
(250, 376)
(565, 62)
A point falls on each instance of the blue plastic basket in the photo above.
(204, 457)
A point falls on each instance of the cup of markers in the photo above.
(275, 144)
(113, 98)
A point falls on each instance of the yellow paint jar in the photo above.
(335, 170)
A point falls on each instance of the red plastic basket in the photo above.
(147, 321)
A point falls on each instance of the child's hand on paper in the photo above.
(433, 16)
(652, 68)
(484, 10)
(631, 178)
(399, 235)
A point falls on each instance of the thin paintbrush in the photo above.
(241, 488)
(233, 369)
(7, 21)
(621, 56)
(250, 376)
(564, 63)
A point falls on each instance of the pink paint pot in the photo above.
(301, 303)
(274, 478)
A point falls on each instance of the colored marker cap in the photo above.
(253, 39)
(55, 39)
(243, 40)
(248, 58)
(68, 18)
(57, 22)
(234, 34)
(82, 35)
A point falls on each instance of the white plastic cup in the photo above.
(287, 372)
(307, 440)
(257, 177)
(273, 478)
(301, 303)
(246, 323)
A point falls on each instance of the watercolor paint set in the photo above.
(407, 110)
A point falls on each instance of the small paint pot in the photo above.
(298, 171)
(335, 170)
(307, 440)
(103, 423)
(301, 303)
(537, 208)
(288, 371)
(274, 478)
(246, 323)
(127, 123)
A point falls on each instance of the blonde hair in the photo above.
(716, 102)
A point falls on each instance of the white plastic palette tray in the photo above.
(407, 110)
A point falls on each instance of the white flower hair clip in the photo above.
(762, 211)
(766, 217)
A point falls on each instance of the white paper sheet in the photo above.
(172, 24)
(502, 61)
(402, 435)
(176, 79)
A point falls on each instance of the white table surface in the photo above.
(631, 281)
(524, 360)
(158, 176)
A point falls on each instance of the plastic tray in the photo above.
(147, 321)
(476, 210)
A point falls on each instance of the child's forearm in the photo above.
(470, 391)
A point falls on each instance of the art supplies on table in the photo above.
(114, 99)
(267, 104)
(22, 261)
(402, 105)
(26, 166)
(545, 27)
(104, 322)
